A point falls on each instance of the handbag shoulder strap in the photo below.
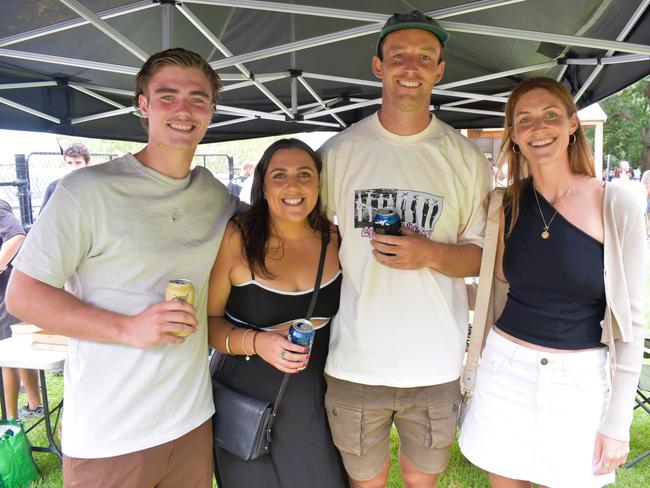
(325, 239)
(484, 291)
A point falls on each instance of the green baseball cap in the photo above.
(414, 20)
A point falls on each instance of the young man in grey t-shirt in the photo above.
(95, 268)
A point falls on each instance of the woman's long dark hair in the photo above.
(255, 224)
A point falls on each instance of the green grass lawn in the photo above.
(460, 474)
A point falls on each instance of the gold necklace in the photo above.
(545, 233)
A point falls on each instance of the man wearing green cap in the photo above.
(398, 340)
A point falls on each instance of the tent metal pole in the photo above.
(561, 39)
(244, 84)
(27, 84)
(79, 63)
(313, 93)
(290, 8)
(470, 110)
(226, 52)
(106, 89)
(500, 74)
(103, 115)
(626, 30)
(342, 79)
(97, 96)
(315, 106)
(297, 46)
(71, 24)
(351, 106)
(451, 26)
(296, 9)
(465, 102)
(231, 122)
(624, 58)
(29, 110)
(167, 26)
(246, 119)
(245, 111)
(316, 122)
(292, 63)
(435, 91)
(232, 77)
(104, 27)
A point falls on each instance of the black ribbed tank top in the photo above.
(557, 290)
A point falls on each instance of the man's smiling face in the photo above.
(178, 106)
(410, 67)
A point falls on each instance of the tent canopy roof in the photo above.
(67, 66)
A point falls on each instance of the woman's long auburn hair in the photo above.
(255, 223)
(580, 157)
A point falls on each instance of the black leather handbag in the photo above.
(242, 424)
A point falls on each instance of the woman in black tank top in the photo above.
(263, 280)
(542, 387)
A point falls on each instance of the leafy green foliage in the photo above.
(627, 130)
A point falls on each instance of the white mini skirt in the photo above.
(534, 415)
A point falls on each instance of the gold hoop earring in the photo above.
(572, 142)
(515, 149)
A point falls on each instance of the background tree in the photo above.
(627, 131)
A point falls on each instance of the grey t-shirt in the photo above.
(113, 235)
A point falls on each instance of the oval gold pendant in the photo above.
(545, 234)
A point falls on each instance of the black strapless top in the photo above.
(557, 289)
(274, 306)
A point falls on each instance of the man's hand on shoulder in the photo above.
(160, 323)
(407, 251)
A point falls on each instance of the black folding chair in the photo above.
(643, 397)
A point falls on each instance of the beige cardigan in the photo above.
(624, 324)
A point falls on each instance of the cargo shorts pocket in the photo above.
(346, 426)
(442, 422)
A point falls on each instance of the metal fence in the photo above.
(23, 182)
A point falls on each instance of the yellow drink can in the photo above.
(181, 290)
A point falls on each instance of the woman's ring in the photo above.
(283, 354)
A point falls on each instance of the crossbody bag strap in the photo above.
(310, 310)
(484, 292)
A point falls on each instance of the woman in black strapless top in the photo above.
(263, 280)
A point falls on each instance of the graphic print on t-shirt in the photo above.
(418, 210)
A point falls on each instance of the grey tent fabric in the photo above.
(67, 66)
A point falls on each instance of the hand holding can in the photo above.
(180, 290)
(302, 333)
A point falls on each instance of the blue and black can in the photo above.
(302, 333)
(386, 221)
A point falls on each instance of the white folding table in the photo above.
(18, 353)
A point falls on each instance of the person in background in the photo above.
(235, 186)
(76, 156)
(247, 185)
(398, 341)
(138, 402)
(572, 250)
(261, 282)
(12, 236)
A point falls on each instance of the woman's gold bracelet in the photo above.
(243, 343)
(254, 341)
(228, 339)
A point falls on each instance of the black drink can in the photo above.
(386, 221)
